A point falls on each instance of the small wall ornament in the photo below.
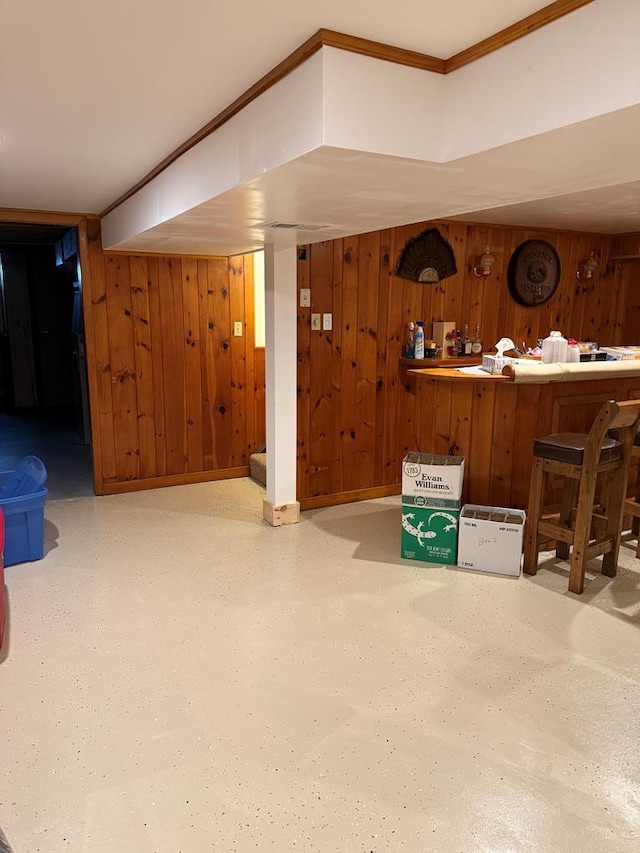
(534, 272)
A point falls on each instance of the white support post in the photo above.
(280, 267)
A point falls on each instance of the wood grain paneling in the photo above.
(500, 421)
(357, 410)
(175, 398)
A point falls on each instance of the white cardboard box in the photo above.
(439, 332)
(430, 479)
(490, 539)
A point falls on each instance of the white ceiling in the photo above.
(94, 95)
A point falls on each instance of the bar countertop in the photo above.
(534, 372)
(493, 421)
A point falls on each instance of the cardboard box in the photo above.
(432, 480)
(490, 539)
(439, 332)
(430, 534)
(624, 353)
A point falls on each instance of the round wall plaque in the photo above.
(534, 272)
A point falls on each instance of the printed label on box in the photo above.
(432, 476)
(430, 534)
(491, 539)
(429, 500)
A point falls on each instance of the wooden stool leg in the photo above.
(534, 512)
(582, 531)
(615, 509)
(569, 494)
(635, 521)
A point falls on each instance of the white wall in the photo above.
(581, 66)
(258, 280)
(382, 107)
(280, 125)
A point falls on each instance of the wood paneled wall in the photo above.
(356, 412)
(175, 397)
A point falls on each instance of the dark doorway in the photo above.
(43, 399)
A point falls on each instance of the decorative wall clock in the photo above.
(534, 272)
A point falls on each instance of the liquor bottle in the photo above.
(476, 344)
(458, 342)
(451, 343)
(466, 341)
(410, 342)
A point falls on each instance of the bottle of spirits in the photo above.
(458, 343)
(451, 344)
(410, 341)
(476, 344)
(466, 341)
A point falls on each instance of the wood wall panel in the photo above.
(357, 415)
(503, 420)
(175, 397)
(143, 354)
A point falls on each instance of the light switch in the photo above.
(315, 322)
(305, 297)
(327, 322)
(237, 330)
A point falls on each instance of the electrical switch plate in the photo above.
(305, 297)
(315, 322)
(327, 322)
(237, 330)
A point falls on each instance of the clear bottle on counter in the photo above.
(466, 341)
(419, 340)
(554, 348)
(573, 351)
(410, 341)
(476, 344)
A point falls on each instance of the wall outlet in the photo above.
(327, 322)
(305, 297)
(237, 330)
(315, 322)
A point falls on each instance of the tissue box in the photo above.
(494, 363)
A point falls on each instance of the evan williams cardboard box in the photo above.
(428, 478)
(431, 492)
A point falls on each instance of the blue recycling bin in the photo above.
(22, 499)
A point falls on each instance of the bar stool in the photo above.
(632, 505)
(581, 460)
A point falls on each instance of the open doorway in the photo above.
(43, 397)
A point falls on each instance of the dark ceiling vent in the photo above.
(427, 258)
(295, 226)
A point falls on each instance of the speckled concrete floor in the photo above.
(180, 678)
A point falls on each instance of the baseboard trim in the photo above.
(172, 480)
(349, 497)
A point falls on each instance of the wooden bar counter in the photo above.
(493, 420)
